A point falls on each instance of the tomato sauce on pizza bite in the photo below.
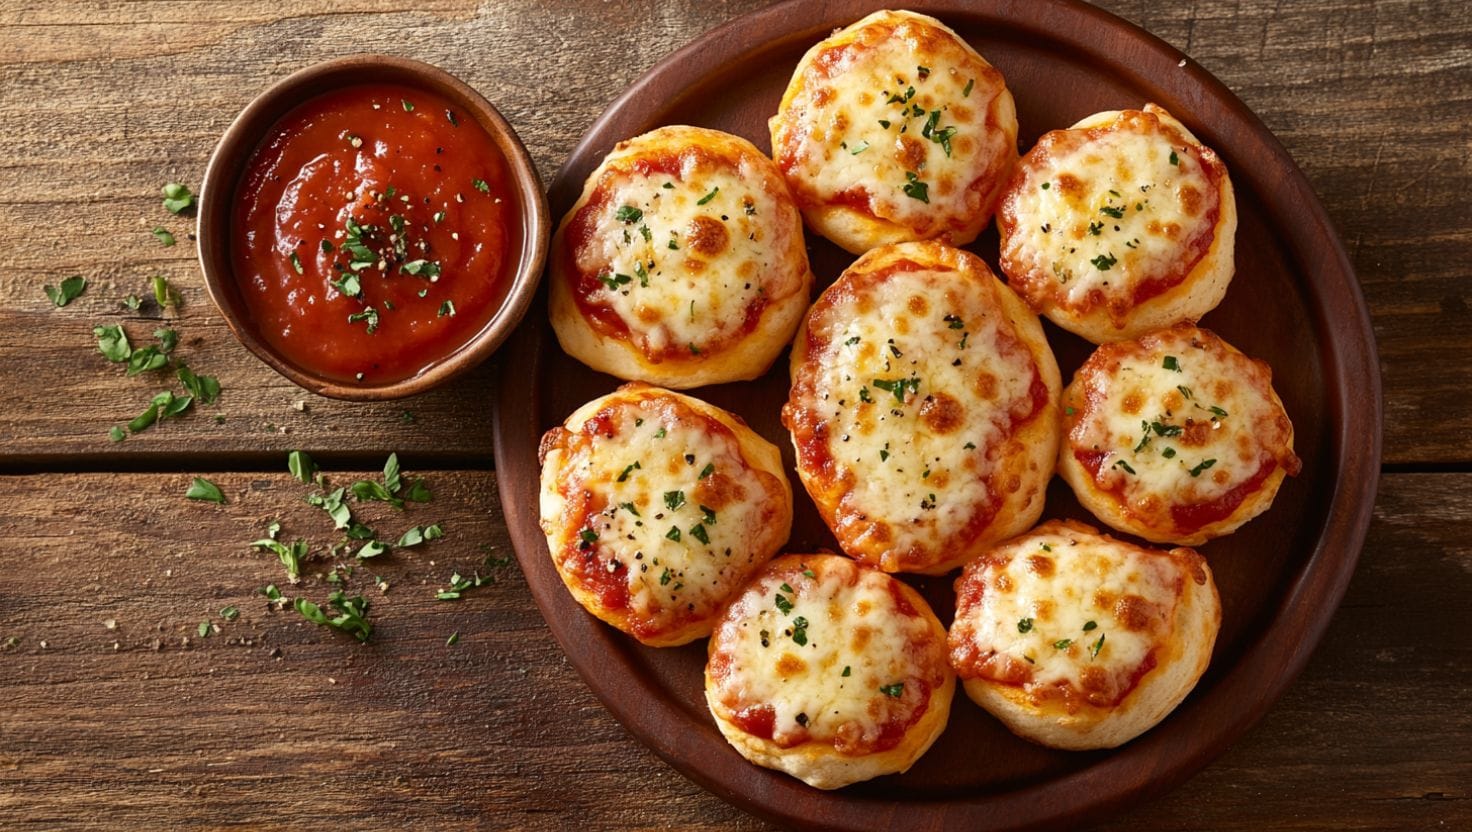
(1175, 436)
(895, 129)
(829, 670)
(657, 508)
(923, 408)
(1121, 224)
(682, 263)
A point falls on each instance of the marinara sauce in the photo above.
(371, 232)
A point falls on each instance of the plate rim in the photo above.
(1146, 766)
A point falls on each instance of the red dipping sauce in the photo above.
(372, 231)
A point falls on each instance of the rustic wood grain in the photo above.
(276, 722)
(103, 104)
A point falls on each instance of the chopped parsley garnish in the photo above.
(708, 515)
(970, 82)
(1119, 463)
(1170, 363)
(916, 189)
(480, 185)
(699, 533)
(634, 466)
(296, 263)
(1098, 645)
(370, 315)
(665, 577)
(1089, 625)
(1217, 412)
(858, 148)
(1104, 261)
(614, 281)
(177, 198)
(708, 197)
(459, 584)
(348, 285)
(1165, 430)
(301, 466)
(164, 237)
(1024, 625)
(784, 604)
(421, 268)
(1095, 227)
(163, 293)
(673, 533)
(898, 386)
(453, 639)
(1185, 391)
(954, 322)
(628, 214)
(674, 499)
(1174, 159)
(1111, 211)
(1168, 453)
(203, 489)
(1047, 185)
(352, 617)
(710, 468)
(67, 292)
(408, 105)
(800, 630)
(447, 309)
(1062, 643)
(1205, 463)
(895, 690)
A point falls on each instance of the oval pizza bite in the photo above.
(895, 129)
(657, 508)
(683, 262)
(1119, 225)
(923, 408)
(829, 670)
(1175, 437)
(1076, 640)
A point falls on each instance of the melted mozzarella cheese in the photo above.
(849, 671)
(655, 478)
(916, 393)
(1054, 605)
(1176, 421)
(1105, 215)
(913, 141)
(682, 258)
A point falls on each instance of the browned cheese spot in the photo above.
(909, 152)
(942, 413)
(1041, 565)
(1134, 613)
(790, 665)
(1132, 403)
(707, 236)
(1191, 200)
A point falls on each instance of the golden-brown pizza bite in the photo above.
(682, 264)
(1077, 640)
(657, 508)
(1175, 437)
(895, 129)
(829, 670)
(923, 408)
(1119, 225)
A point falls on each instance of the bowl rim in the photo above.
(253, 124)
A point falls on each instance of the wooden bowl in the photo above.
(227, 166)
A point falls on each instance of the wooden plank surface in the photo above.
(103, 104)
(276, 722)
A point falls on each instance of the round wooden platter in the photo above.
(1294, 302)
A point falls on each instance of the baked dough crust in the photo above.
(871, 667)
(624, 536)
(1122, 224)
(1081, 695)
(1135, 429)
(923, 408)
(883, 107)
(682, 264)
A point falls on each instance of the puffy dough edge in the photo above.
(1194, 631)
(758, 453)
(1040, 439)
(1103, 506)
(746, 360)
(858, 231)
(1199, 293)
(820, 765)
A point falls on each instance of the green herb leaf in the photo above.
(970, 83)
(371, 549)
(204, 388)
(366, 490)
(916, 189)
(177, 198)
(894, 690)
(408, 106)
(112, 342)
(146, 359)
(1170, 363)
(230, 613)
(447, 309)
(204, 629)
(480, 185)
(708, 197)
(1174, 159)
(167, 339)
(391, 477)
(418, 492)
(1104, 262)
(301, 466)
(1024, 625)
(296, 262)
(453, 639)
(67, 292)
(699, 533)
(674, 499)
(628, 214)
(858, 148)
(1097, 646)
(898, 386)
(783, 603)
(1062, 643)
(1089, 625)
(163, 293)
(1205, 463)
(370, 315)
(1119, 463)
(116, 434)
(203, 489)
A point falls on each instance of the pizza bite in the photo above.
(1076, 640)
(1122, 224)
(895, 129)
(657, 508)
(1175, 437)
(683, 262)
(923, 408)
(829, 670)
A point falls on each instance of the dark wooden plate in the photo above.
(1295, 303)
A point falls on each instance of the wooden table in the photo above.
(118, 714)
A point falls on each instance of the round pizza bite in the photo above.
(1119, 225)
(895, 129)
(657, 508)
(923, 408)
(829, 670)
(683, 262)
(1077, 640)
(1175, 437)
